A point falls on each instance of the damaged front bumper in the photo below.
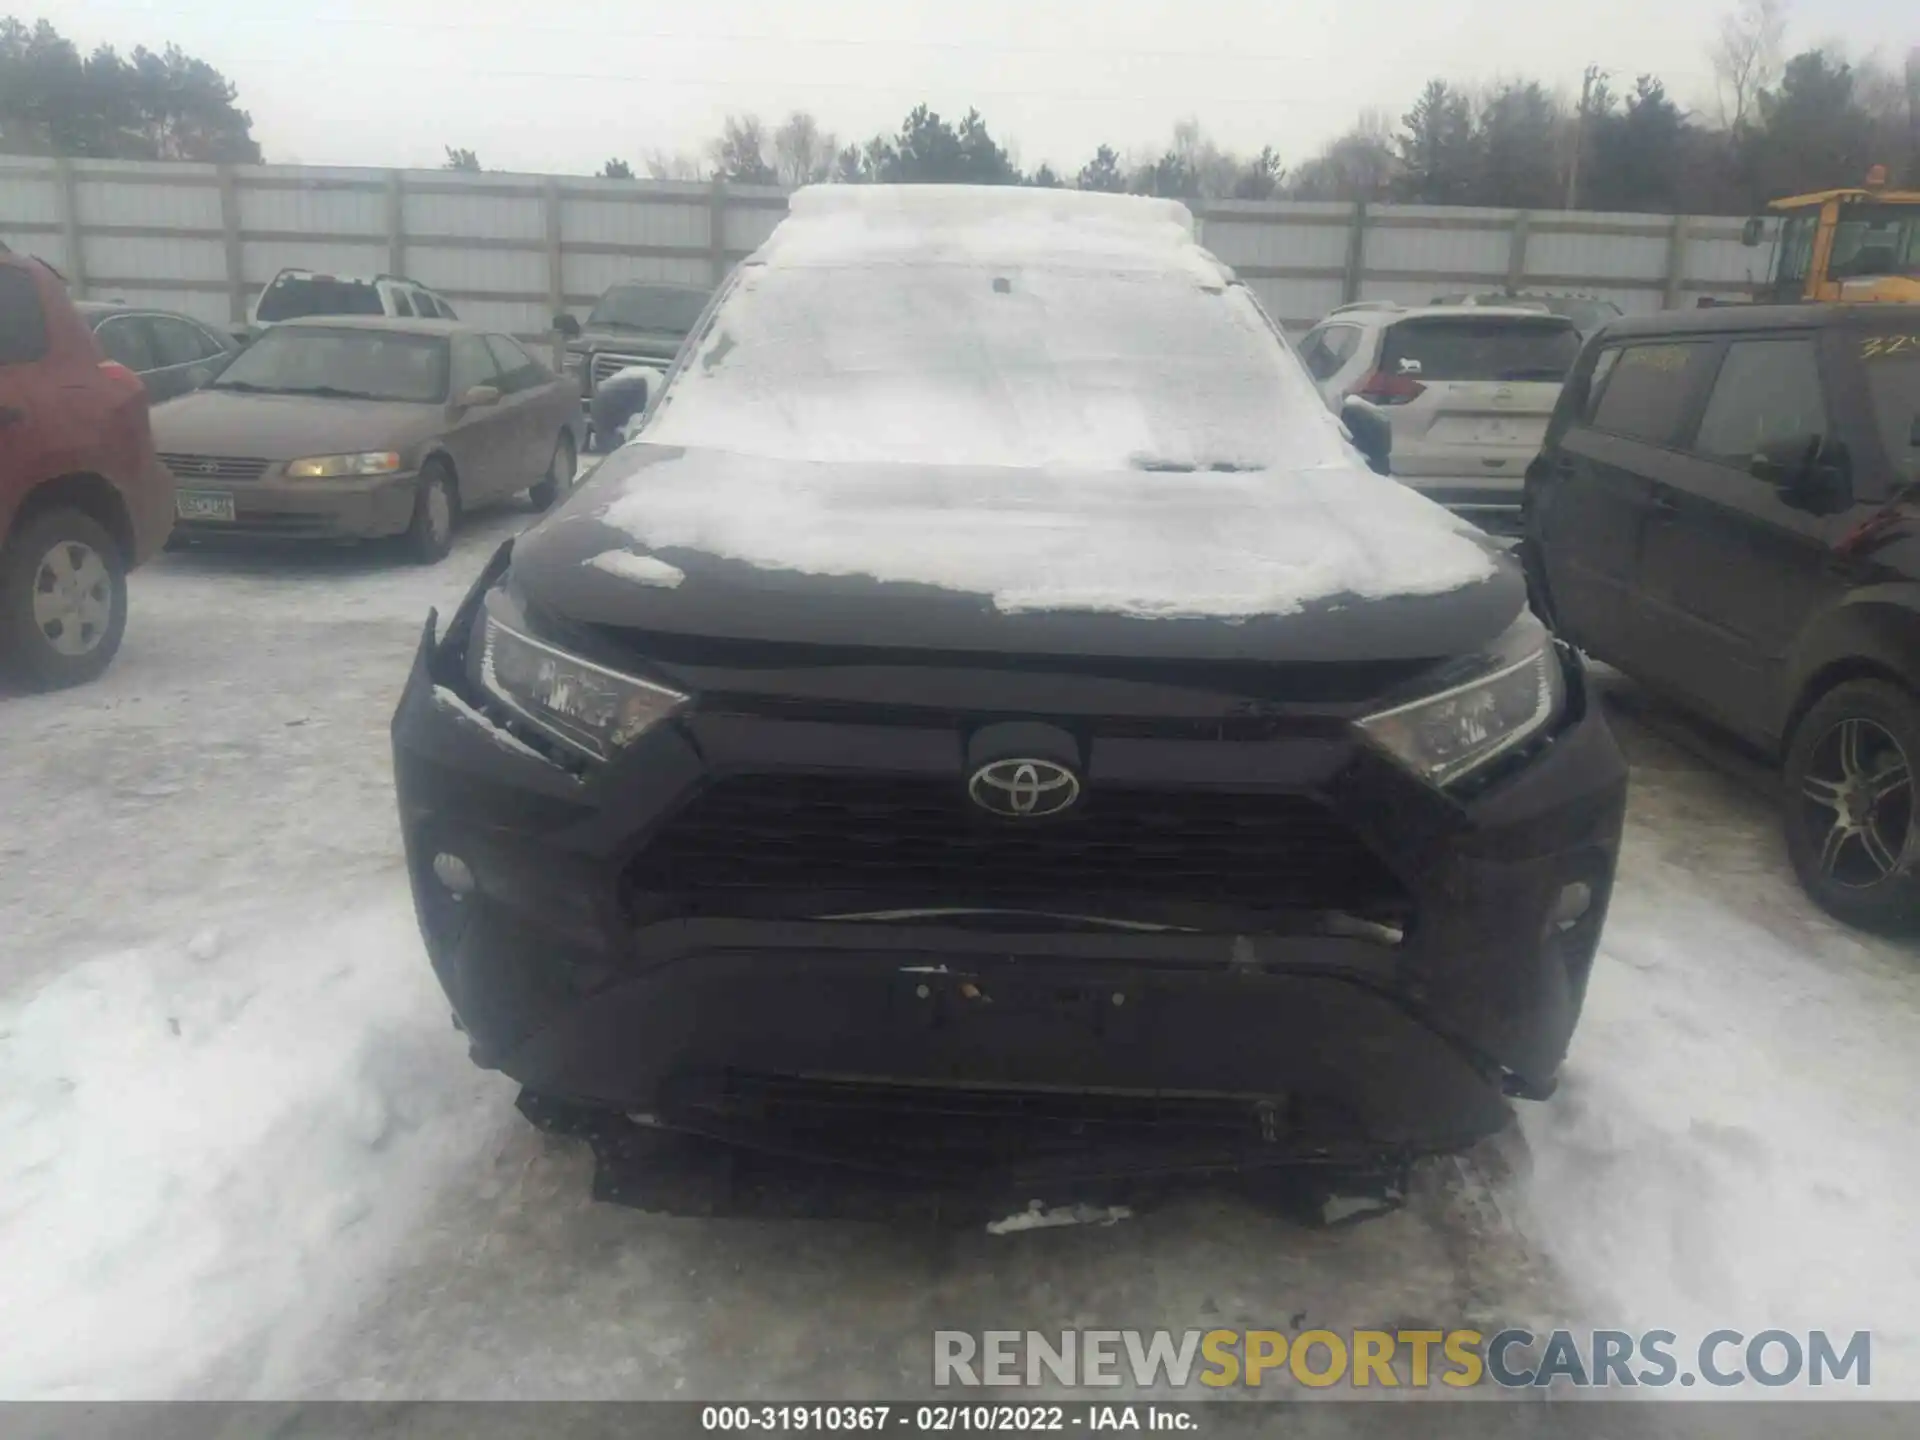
(951, 1044)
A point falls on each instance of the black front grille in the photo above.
(923, 841)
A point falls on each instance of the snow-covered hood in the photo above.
(1329, 563)
(287, 427)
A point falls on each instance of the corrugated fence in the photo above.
(509, 250)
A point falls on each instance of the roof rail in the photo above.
(1366, 305)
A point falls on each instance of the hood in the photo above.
(638, 342)
(1333, 564)
(287, 427)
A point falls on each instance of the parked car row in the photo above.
(1720, 506)
(127, 427)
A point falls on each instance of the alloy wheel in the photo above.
(1859, 800)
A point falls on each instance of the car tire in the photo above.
(436, 511)
(562, 469)
(63, 600)
(1851, 803)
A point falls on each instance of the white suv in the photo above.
(1466, 390)
(297, 294)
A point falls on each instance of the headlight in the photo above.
(1446, 736)
(573, 363)
(593, 709)
(330, 467)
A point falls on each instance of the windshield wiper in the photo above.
(246, 386)
(334, 392)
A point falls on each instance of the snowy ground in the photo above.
(243, 1154)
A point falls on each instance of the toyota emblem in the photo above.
(1024, 789)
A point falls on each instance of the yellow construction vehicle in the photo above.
(1843, 246)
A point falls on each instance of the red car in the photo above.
(83, 498)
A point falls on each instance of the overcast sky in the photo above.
(542, 86)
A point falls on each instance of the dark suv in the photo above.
(993, 686)
(628, 342)
(1723, 510)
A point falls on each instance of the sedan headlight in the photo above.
(332, 467)
(591, 708)
(1444, 737)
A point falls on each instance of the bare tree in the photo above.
(740, 152)
(803, 153)
(674, 165)
(1746, 56)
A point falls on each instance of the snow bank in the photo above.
(1732, 1146)
(199, 1142)
(1139, 544)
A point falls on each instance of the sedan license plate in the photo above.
(203, 505)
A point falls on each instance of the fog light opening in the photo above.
(1570, 905)
(454, 873)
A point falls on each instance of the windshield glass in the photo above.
(289, 298)
(648, 307)
(1893, 387)
(1489, 348)
(1876, 240)
(968, 365)
(357, 364)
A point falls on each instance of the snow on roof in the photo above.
(987, 224)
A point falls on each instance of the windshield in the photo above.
(1893, 388)
(290, 297)
(1488, 348)
(969, 365)
(648, 307)
(342, 364)
(1876, 240)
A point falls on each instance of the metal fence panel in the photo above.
(1244, 244)
(587, 275)
(1599, 257)
(103, 200)
(29, 195)
(261, 260)
(134, 258)
(508, 247)
(637, 220)
(494, 217)
(312, 212)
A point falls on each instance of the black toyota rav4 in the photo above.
(992, 684)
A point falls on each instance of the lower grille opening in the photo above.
(911, 841)
(957, 1127)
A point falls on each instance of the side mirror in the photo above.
(1371, 430)
(1810, 474)
(1753, 232)
(567, 325)
(477, 396)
